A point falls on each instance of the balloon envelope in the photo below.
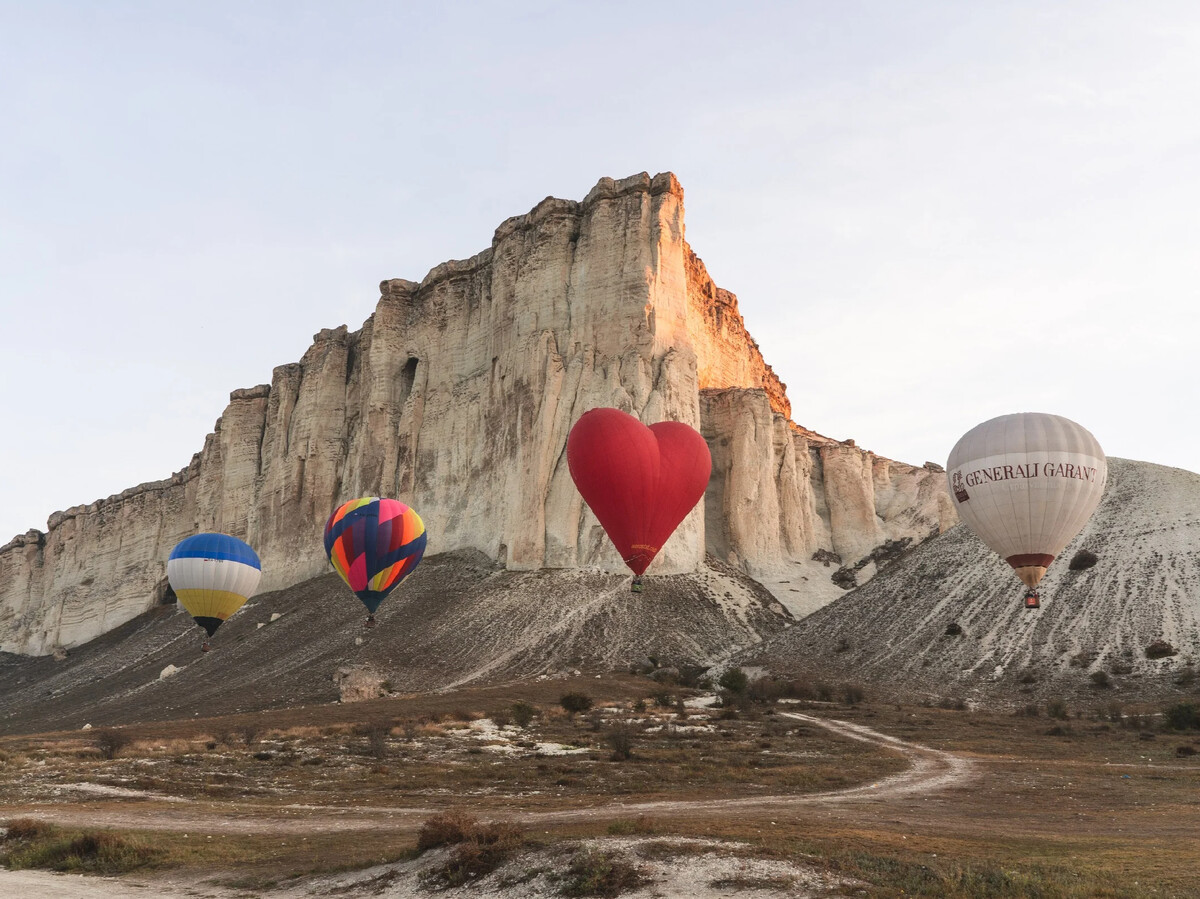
(1027, 484)
(640, 481)
(213, 575)
(374, 544)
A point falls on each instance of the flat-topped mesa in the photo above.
(456, 396)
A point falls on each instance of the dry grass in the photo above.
(35, 844)
(1083, 814)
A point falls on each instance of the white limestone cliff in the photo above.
(456, 396)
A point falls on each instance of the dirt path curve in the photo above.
(929, 770)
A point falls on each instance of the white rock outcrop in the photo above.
(456, 396)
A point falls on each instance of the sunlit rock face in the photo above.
(456, 396)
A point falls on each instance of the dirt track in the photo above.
(930, 770)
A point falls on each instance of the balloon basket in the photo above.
(370, 622)
(1032, 600)
(205, 646)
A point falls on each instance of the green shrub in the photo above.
(596, 873)
(522, 713)
(1181, 716)
(734, 680)
(574, 703)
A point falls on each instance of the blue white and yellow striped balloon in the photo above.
(213, 575)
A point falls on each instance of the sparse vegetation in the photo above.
(598, 873)
(640, 825)
(1100, 680)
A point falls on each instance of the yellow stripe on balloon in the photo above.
(210, 603)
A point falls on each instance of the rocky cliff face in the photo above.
(457, 395)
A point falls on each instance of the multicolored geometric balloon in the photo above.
(213, 575)
(374, 544)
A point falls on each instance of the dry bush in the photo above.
(766, 690)
(853, 694)
(250, 732)
(27, 829)
(619, 739)
(445, 830)
(824, 691)
(478, 848)
(1056, 708)
(377, 733)
(1100, 680)
(110, 741)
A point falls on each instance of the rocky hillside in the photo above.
(946, 619)
(457, 395)
(460, 619)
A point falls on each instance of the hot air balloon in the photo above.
(374, 544)
(213, 575)
(1026, 484)
(639, 481)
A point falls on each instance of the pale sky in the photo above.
(932, 213)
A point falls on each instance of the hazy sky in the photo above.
(932, 213)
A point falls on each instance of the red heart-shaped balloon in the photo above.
(639, 481)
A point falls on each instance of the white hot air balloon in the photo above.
(1027, 484)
